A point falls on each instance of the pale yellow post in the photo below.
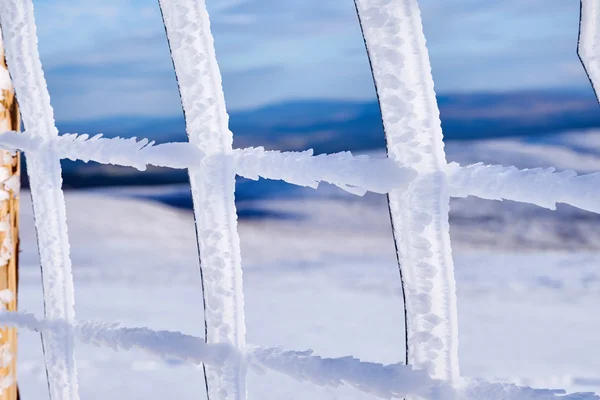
(9, 235)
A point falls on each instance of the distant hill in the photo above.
(337, 125)
(329, 126)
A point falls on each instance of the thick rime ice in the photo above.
(355, 174)
(542, 187)
(213, 184)
(400, 62)
(20, 41)
(383, 381)
(117, 151)
(589, 41)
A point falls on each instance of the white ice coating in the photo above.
(20, 41)
(355, 174)
(383, 381)
(129, 152)
(539, 186)
(213, 184)
(589, 41)
(400, 62)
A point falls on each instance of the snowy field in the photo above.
(320, 273)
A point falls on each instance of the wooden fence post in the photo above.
(9, 234)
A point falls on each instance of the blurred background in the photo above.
(320, 269)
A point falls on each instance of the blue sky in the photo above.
(110, 57)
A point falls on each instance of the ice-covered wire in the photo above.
(45, 180)
(396, 46)
(588, 47)
(355, 174)
(383, 381)
(543, 187)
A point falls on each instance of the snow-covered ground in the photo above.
(321, 274)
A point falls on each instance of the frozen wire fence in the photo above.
(355, 174)
(384, 381)
(416, 177)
